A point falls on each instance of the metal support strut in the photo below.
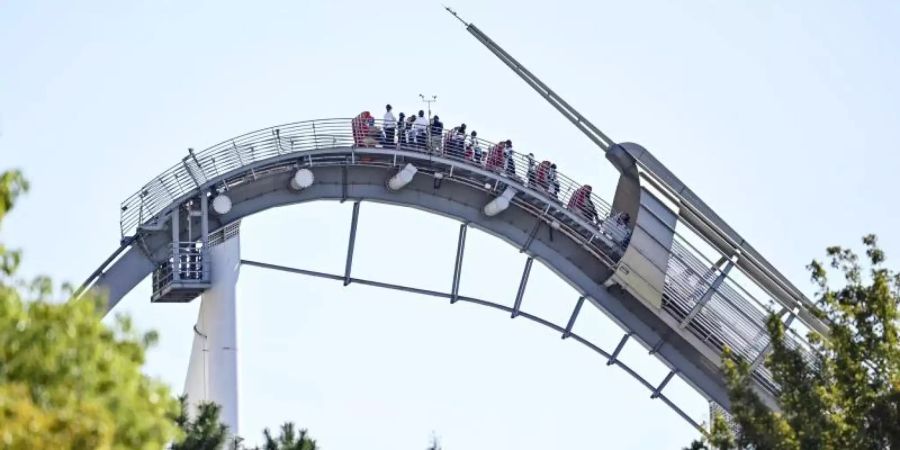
(522, 284)
(615, 353)
(574, 316)
(176, 239)
(351, 243)
(477, 301)
(457, 268)
(592, 132)
(662, 385)
(768, 349)
(707, 295)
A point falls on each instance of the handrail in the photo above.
(143, 206)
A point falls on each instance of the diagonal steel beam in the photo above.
(765, 351)
(574, 316)
(353, 223)
(522, 283)
(457, 269)
(707, 296)
(665, 381)
(532, 234)
(615, 353)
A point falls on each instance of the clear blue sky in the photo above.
(783, 116)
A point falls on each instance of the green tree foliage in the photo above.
(289, 438)
(204, 431)
(849, 397)
(68, 381)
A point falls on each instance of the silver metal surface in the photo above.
(522, 284)
(573, 317)
(354, 221)
(457, 266)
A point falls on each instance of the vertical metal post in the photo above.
(522, 283)
(344, 187)
(457, 269)
(662, 385)
(574, 316)
(176, 238)
(204, 219)
(352, 242)
(204, 235)
(315, 136)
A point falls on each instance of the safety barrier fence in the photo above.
(198, 168)
(187, 263)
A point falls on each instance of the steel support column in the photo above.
(457, 268)
(353, 222)
(213, 367)
(574, 316)
(522, 283)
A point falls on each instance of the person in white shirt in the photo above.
(553, 181)
(389, 126)
(477, 152)
(420, 129)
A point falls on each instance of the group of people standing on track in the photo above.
(418, 132)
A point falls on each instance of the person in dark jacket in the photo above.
(437, 132)
(402, 129)
(510, 160)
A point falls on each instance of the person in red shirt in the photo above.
(580, 202)
(496, 157)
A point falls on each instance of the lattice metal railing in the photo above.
(199, 168)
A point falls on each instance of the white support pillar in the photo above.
(213, 369)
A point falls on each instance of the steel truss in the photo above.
(566, 331)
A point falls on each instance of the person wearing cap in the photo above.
(389, 126)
